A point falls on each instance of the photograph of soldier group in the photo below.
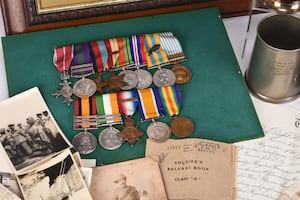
(26, 143)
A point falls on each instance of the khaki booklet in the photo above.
(194, 169)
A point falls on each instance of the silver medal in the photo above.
(158, 132)
(144, 78)
(109, 138)
(164, 77)
(130, 78)
(84, 142)
(84, 87)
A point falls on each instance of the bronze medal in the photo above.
(130, 132)
(182, 73)
(182, 127)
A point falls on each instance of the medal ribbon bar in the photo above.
(169, 99)
(108, 109)
(137, 48)
(127, 101)
(156, 56)
(85, 113)
(148, 104)
(82, 65)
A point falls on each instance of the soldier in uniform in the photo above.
(124, 191)
(20, 141)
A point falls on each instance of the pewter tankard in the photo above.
(274, 71)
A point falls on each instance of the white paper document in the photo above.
(269, 167)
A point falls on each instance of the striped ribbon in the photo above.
(148, 104)
(169, 99)
(63, 57)
(172, 47)
(82, 64)
(124, 58)
(107, 109)
(155, 57)
(127, 101)
(85, 113)
(99, 55)
(137, 48)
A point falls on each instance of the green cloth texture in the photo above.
(216, 99)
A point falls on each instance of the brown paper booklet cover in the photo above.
(134, 179)
(29, 134)
(196, 168)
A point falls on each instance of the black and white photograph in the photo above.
(56, 179)
(9, 181)
(28, 132)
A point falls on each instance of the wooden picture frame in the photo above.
(22, 16)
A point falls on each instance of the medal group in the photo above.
(108, 102)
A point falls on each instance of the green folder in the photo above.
(216, 99)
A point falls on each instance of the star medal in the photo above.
(85, 117)
(128, 101)
(148, 106)
(62, 59)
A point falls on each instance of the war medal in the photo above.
(128, 101)
(108, 115)
(85, 118)
(164, 77)
(82, 67)
(62, 59)
(183, 74)
(130, 78)
(148, 106)
(144, 78)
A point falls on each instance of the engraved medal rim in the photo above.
(85, 80)
(76, 138)
(165, 126)
(103, 145)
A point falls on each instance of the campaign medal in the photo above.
(62, 59)
(182, 127)
(108, 114)
(164, 77)
(85, 87)
(85, 118)
(82, 67)
(182, 73)
(144, 78)
(128, 101)
(157, 131)
(170, 101)
(130, 78)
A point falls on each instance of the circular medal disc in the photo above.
(182, 73)
(144, 78)
(130, 78)
(158, 132)
(164, 77)
(84, 142)
(182, 127)
(84, 88)
(109, 138)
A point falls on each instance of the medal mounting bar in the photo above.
(85, 122)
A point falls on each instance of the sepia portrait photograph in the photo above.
(56, 179)
(28, 131)
(138, 179)
(9, 181)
